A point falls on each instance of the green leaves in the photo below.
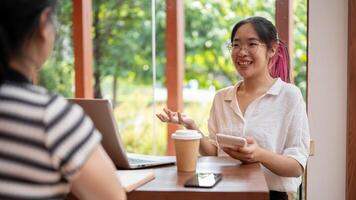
(124, 41)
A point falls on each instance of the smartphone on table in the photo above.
(203, 180)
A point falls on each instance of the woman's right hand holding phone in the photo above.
(177, 118)
(250, 153)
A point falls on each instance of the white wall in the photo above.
(327, 98)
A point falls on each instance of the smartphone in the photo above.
(203, 180)
(230, 141)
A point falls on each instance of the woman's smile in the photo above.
(244, 63)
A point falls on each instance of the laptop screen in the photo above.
(100, 112)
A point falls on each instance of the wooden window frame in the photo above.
(83, 48)
(175, 62)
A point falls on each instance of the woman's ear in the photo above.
(44, 37)
(44, 20)
(273, 50)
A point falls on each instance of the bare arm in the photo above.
(206, 148)
(280, 165)
(97, 179)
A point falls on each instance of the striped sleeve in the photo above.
(71, 136)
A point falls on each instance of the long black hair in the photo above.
(19, 20)
(267, 33)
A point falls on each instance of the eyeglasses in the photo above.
(250, 46)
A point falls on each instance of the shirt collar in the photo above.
(15, 76)
(230, 94)
(274, 90)
(276, 87)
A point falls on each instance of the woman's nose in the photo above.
(243, 50)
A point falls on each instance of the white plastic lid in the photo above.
(186, 135)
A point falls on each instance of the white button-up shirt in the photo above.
(277, 120)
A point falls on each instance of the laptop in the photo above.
(100, 111)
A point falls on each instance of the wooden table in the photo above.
(239, 182)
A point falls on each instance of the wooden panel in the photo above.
(83, 48)
(175, 61)
(238, 182)
(284, 25)
(351, 110)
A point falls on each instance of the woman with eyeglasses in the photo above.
(263, 107)
(48, 147)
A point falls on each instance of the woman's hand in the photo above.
(177, 118)
(248, 154)
(205, 147)
(279, 164)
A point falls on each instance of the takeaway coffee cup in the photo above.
(186, 144)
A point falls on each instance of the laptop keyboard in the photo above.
(138, 161)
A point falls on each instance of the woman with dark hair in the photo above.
(263, 107)
(48, 147)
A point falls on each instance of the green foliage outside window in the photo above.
(122, 58)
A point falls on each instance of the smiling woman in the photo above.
(260, 32)
(263, 108)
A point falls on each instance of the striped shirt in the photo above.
(44, 141)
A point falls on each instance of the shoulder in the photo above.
(25, 94)
(50, 99)
(36, 89)
(290, 90)
(291, 93)
(225, 93)
(51, 105)
(225, 90)
(58, 109)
